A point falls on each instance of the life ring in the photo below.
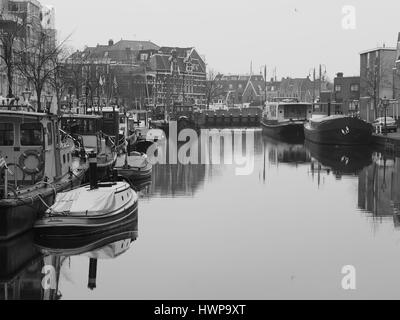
(31, 153)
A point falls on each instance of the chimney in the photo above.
(110, 42)
(339, 75)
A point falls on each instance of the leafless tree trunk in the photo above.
(213, 89)
(36, 61)
(11, 30)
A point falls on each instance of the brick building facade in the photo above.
(140, 74)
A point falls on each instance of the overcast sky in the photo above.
(291, 35)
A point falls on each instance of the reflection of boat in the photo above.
(16, 255)
(338, 130)
(286, 119)
(88, 210)
(71, 246)
(20, 269)
(108, 245)
(134, 166)
(286, 152)
(142, 185)
(343, 159)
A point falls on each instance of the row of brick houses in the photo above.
(254, 90)
(139, 74)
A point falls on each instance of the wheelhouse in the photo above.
(28, 145)
(111, 117)
(85, 129)
(290, 111)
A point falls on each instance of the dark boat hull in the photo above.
(136, 174)
(342, 131)
(67, 227)
(19, 215)
(286, 131)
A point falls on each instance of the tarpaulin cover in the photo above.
(83, 201)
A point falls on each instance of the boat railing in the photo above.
(17, 107)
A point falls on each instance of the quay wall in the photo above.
(229, 118)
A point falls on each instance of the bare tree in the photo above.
(374, 79)
(12, 29)
(58, 79)
(36, 60)
(213, 88)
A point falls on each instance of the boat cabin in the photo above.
(86, 130)
(111, 120)
(32, 147)
(139, 118)
(288, 111)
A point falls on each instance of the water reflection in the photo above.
(30, 270)
(287, 219)
(20, 269)
(286, 152)
(185, 180)
(379, 188)
(338, 160)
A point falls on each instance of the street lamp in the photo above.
(356, 105)
(385, 103)
(27, 95)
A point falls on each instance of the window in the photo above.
(6, 134)
(338, 88)
(240, 86)
(355, 88)
(230, 86)
(31, 134)
(49, 134)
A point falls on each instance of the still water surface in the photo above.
(283, 232)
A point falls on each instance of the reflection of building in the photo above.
(177, 180)
(379, 189)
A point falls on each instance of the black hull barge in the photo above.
(338, 130)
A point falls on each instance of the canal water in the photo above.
(286, 231)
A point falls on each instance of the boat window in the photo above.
(31, 134)
(6, 134)
(49, 134)
(80, 126)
